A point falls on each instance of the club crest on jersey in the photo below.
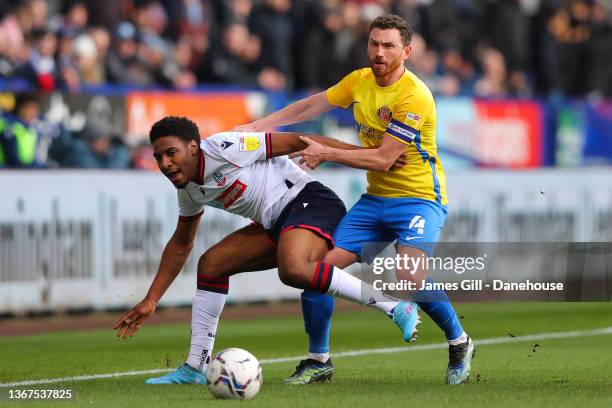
(219, 178)
(385, 114)
(249, 143)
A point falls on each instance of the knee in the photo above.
(415, 276)
(209, 265)
(292, 273)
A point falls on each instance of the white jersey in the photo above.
(238, 175)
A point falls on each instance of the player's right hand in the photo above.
(400, 162)
(130, 322)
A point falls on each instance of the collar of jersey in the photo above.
(391, 88)
(201, 171)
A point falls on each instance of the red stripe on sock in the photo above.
(214, 285)
(214, 279)
(325, 276)
(316, 276)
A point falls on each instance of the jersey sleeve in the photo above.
(341, 94)
(410, 115)
(189, 210)
(241, 148)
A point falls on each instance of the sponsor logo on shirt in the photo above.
(226, 144)
(366, 131)
(219, 178)
(232, 193)
(249, 143)
(385, 114)
(413, 116)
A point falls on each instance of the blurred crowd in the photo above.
(484, 48)
(29, 140)
(489, 48)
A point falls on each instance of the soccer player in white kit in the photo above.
(294, 217)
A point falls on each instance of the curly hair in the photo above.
(178, 126)
(388, 21)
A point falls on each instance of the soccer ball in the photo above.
(234, 374)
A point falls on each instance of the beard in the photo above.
(385, 68)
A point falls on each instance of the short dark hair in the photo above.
(24, 99)
(178, 126)
(388, 21)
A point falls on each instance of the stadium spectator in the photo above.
(122, 64)
(184, 60)
(66, 59)
(571, 31)
(271, 22)
(107, 13)
(21, 142)
(76, 15)
(457, 73)
(194, 27)
(236, 60)
(600, 49)
(354, 29)
(41, 67)
(39, 10)
(94, 147)
(492, 82)
(102, 40)
(239, 10)
(424, 63)
(323, 52)
(88, 61)
(13, 50)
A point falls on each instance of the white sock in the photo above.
(461, 339)
(347, 286)
(320, 357)
(205, 312)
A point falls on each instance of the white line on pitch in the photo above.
(363, 352)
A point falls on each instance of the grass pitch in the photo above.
(574, 371)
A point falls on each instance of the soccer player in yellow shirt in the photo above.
(396, 115)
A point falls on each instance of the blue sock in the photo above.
(437, 306)
(317, 310)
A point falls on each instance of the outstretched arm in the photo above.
(300, 111)
(173, 258)
(290, 142)
(382, 158)
(368, 158)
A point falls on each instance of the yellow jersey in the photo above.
(405, 110)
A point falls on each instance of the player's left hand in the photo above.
(130, 322)
(313, 155)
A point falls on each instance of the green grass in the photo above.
(561, 372)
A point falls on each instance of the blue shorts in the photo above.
(411, 222)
